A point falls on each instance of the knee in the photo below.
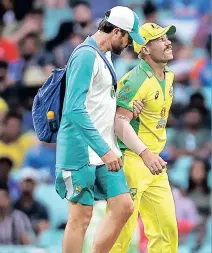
(127, 208)
(80, 221)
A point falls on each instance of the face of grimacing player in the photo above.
(120, 42)
(160, 49)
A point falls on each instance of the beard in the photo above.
(117, 50)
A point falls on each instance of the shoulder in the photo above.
(19, 215)
(134, 79)
(84, 54)
(40, 206)
(83, 59)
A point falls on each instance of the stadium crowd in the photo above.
(39, 35)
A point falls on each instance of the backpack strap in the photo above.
(112, 72)
(111, 69)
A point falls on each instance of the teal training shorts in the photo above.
(90, 183)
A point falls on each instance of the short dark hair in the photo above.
(13, 114)
(107, 27)
(77, 3)
(36, 11)
(149, 7)
(3, 64)
(6, 160)
(4, 186)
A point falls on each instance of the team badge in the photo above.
(163, 112)
(171, 91)
(112, 92)
(133, 192)
(78, 188)
(156, 95)
(127, 89)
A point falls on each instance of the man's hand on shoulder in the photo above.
(154, 162)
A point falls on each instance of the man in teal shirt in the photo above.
(88, 159)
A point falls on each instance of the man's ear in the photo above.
(145, 50)
(116, 31)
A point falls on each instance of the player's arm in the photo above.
(126, 133)
(79, 79)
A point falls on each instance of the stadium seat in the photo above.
(52, 20)
(206, 247)
(58, 208)
(50, 238)
(184, 249)
(179, 173)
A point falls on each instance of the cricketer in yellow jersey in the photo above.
(143, 139)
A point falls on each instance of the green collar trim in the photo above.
(148, 70)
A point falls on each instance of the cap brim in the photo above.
(137, 38)
(170, 30)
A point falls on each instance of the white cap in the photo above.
(29, 173)
(126, 19)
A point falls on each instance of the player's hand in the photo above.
(137, 108)
(112, 161)
(154, 162)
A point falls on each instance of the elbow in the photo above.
(119, 126)
(116, 126)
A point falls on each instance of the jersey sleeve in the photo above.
(130, 89)
(80, 74)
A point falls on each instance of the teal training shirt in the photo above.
(77, 131)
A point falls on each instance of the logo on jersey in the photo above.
(162, 121)
(127, 89)
(171, 91)
(112, 92)
(133, 192)
(156, 95)
(78, 189)
(163, 112)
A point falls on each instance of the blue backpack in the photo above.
(50, 97)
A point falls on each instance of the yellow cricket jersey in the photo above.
(141, 84)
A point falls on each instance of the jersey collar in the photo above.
(149, 71)
(90, 41)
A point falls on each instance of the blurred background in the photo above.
(39, 35)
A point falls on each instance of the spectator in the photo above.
(40, 157)
(150, 12)
(6, 166)
(32, 23)
(4, 84)
(56, 12)
(15, 227)
(8, 49)
(31, 55)
(203, 31)
(13, 143)
(60, 48)
(201, 74)
(82, 15)
(198, 189)
(193, 138)
(205, 75)
(197, 101)
(186, 212)
(35, 211)
(3, 112)
(8, 91)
